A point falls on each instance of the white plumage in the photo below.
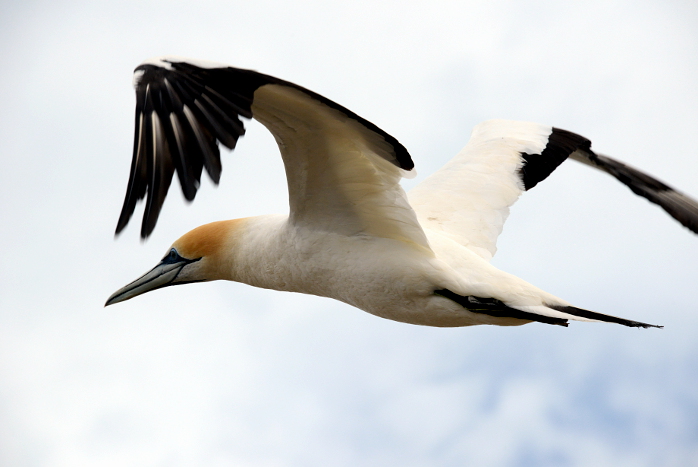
(468, 199)
(352, 233)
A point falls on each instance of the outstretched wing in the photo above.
(343, 172)
(468, 199)
(679, 206)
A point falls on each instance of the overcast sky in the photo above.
(223, 374)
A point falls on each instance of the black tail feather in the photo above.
(494, 307)
(582, 313)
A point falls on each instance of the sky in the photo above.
(222, 374)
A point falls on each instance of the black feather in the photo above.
(582, 313)
(561, 143)
(197, 108)
(679, 206)
(494, 307)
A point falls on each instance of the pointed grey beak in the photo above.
(160, 276)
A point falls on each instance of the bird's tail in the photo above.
(549, 314)
(577, 313)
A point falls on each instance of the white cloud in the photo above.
(222, 374)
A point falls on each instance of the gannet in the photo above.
(352, 233)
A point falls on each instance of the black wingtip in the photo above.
(196, 108)
(182, 113)
(678, 205)
(681, 207)
(561, 143)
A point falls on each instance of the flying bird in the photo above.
(352, 233)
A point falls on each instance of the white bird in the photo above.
(352, 233)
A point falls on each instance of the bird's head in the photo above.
(197, 256)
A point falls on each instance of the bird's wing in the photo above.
(678, 205)
(343, 172)
(468, 199)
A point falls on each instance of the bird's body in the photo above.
(352, 234)
(386, 277)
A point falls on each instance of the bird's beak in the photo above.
(161, 275)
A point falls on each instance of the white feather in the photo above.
(468, 199)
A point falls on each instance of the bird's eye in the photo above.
(172, 257)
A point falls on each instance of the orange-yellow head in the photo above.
(197, 256)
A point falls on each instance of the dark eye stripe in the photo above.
(172, 257)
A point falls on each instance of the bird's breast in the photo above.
(385, 277)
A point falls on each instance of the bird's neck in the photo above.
(253, 252)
